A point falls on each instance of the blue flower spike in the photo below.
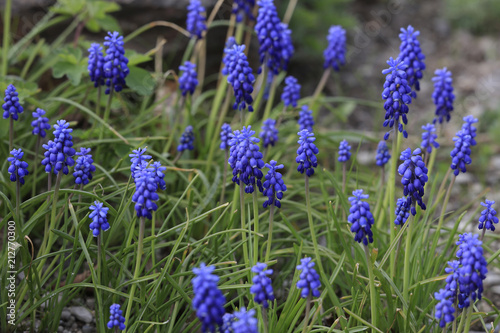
(115, 63)
(208, 301)
(262, 286)
(96, 65)
(99, 218)
(443, 94)
(383, 155)
(411, 54)
(59, 154)
(291, 92)
(402, 211)
(40, 123)
(360, 217)
(240, 77)
(196, 21)
(245, 321)
(269, 133)
(187, 140)
(306, 153)
(397, 95)
(11, 107)
(444, 307)
(414, 177)
(243, 8)
(84, 167)
(225, 133)
(116, 319)
(18, 169)
(306, 120)
(273, 185)
(159, 174)
(309, 280)
(145, 194)
(488, 217)
(344, 151)
(188, 80)
(139, 160)
(334, 53)
(429, 137)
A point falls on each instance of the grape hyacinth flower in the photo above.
(17, 168)
(187, 139)
(99, 218)
(291, 92)
(402, 211)
(443, 94)
(306, 153)
(11, 107)
(159, 174)
(116, 319)
(262, 285)
(225, 136)
(429, 137)
(40, 124)
(208, 300)
(115, 63)
(188, 80)
(240, 78)
(472, 271)
(246, 160)
(243, 8)
(138, 160)
(488, 217)
(274, 185)
(344, 151)
(411, 54)
(383, 156)
(414, 175)
(269, 134)
(96, 65)
(83, 167)
(452, 279)
(287, 48)
(308, 279)
(460, 155)
(145, 192)
(360, 217)
(306, 120)
(469, 129)
(397, 95)
(227, 323)
(63, 153)
(195, 22)
(444, 308)
(50, 156)
(231, 41)
(334, 53)
(245, 321)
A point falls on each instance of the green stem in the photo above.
(311, 224)
(269, 104)
(35, 167)
(255, 227)
(214, 135)
(18, 199)
(373, 296)
(224, 177)
(308, 309)
(392, 186)
(6, 37)
(321, 85)
(289, 11)
(99, 268)
(243, 226)
(406, 272)
(106, 112)
(270, 233)
(466, 319)
(142, 226)
(11, 134)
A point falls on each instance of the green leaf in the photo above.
(135, 58)
(70, 64)
(108, 23)
(68, 7)
(141, 81)
(93, 25)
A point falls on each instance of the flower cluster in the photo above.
(187, 139)
(273, 185)
(344, 151)
(195, 22)
(245, 159)
(443, 94)
(145, 194)
(115, 63)
(308, 279)
(414, 177)
(287, 48)
(291, 92)
(402, 211)
(188, 80)
(306, 120)
(411, 54)
(262, 287)
(243, 7)
(469, 129)
(361, 218)
(116, 319)
(429, 137)
(231, 41)
(460, 155)
(227, 323)
(83, 167)
(158, 172)
(96, 64)
(11, 107)
(17, 169)
(269, 133)
(138, 160)
(59, 154)
(397, 95)
(225, 133)
(99, 218)
(208, 300)
(383, 156)
(240, 77)
(245, 321)
(40, 124)
(488, 217)
(444, 308)
(306, 153)
(335, 52)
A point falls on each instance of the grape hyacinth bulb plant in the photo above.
(138, 160)
(469, 129)
(488, 218)
(115, 63)
(188, 80)
(306, 153)
(240, 77)
(18, 169)
(225, 134)
(291, 92)
(96, 65)
(195, 22)
(208, 301)
(360, 217)
(245, 321)
(306, 120)
(186, 142)
(402, 211)
(414, 177)
(269, 133)
(460, 155)
(444, 307)
(309, 283)
(344, 156)
(83, 167)
(116, 319)
(411, 54)
(243, 8)
(159, 174)
(443, 94)
(231, 41)
(11, 109)
(99, 218)
(382, 157)
(262, 286)
(397, 95)
(40, 123)
(429, 137)
(227, 323)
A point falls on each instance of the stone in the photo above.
(87, 329)
(81, 313)
(65, 314)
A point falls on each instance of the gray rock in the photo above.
(65, 314)
(60, 329)
(81, 313)
(87, 329)
(74, 326)
(91, 303)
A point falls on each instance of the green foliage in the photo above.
(479, 17)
